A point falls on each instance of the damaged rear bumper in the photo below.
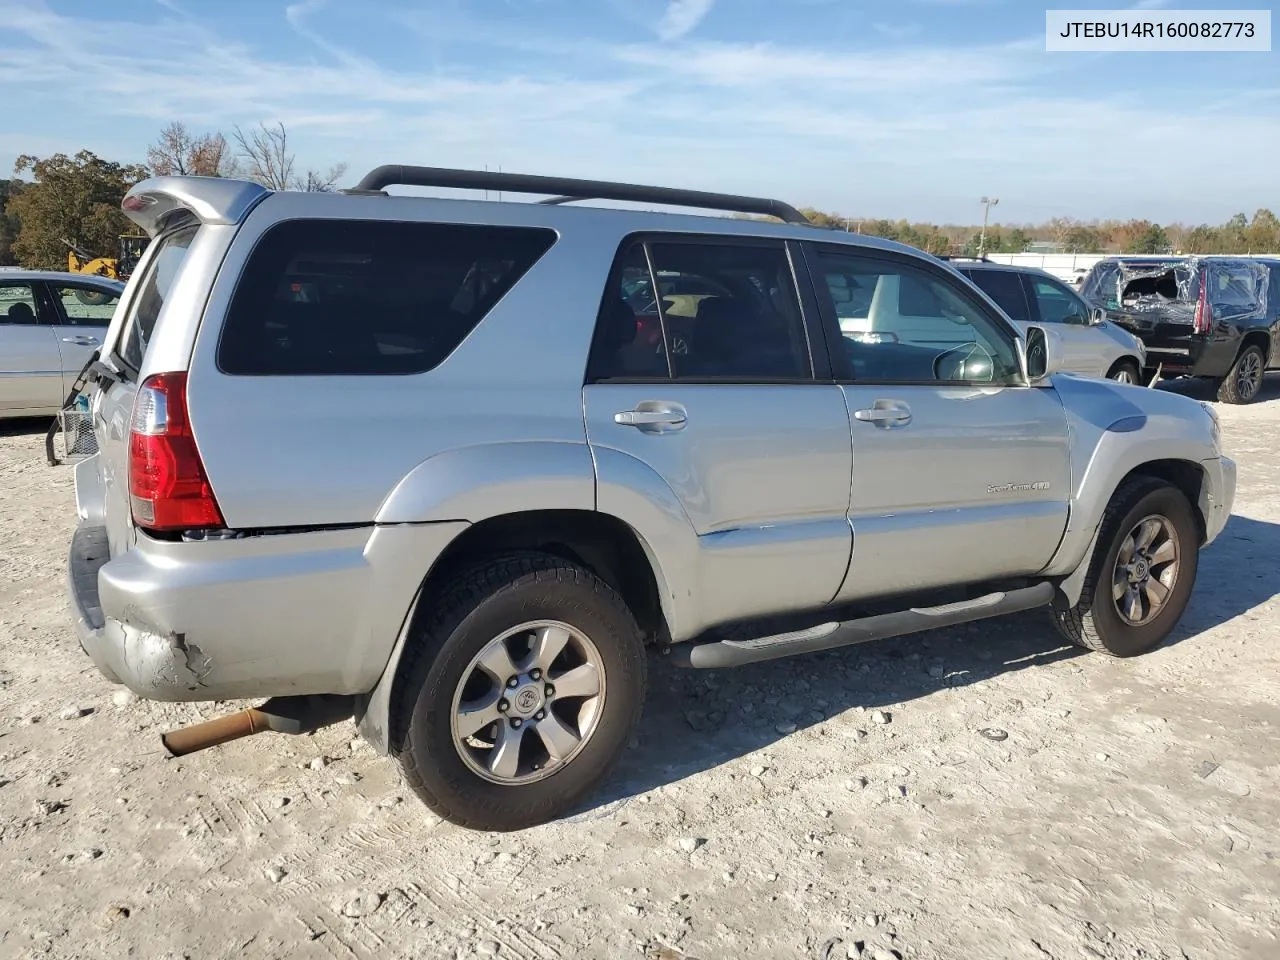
(286, 614)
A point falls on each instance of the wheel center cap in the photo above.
(527, 700)
(1140, 570)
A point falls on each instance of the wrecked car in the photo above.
(1216, 318)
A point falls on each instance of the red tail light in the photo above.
(1204, 312)
(168, 486)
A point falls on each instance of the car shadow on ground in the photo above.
(25, 426)
(696, 720)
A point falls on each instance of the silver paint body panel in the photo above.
(766, 498)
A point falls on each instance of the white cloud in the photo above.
(682, 17)
(910, 130)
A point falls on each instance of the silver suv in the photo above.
(450, 466)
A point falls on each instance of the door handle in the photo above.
(81, 341)
(647, 418)
(885, 413)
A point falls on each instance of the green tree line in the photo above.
(1239, 235)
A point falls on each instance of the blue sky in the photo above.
(900, 108)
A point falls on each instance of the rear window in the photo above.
(163, 268)
(342, 297)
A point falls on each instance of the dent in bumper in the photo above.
(279, 615)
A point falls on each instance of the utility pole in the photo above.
(987, 204)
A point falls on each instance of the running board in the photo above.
(828, 636)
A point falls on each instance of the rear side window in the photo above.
(163, 268)
(85, 306)
(1236, 286)
(1099, 287)
(1005, 288)
(342, 297)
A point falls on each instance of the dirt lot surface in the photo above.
(977, 792)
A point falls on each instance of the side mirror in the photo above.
(1040, 354)
(1097, 317)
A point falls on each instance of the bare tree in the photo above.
(269, 162)
(181, 153)
(266, 155)
(317, 182)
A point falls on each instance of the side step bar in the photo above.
(828, 636)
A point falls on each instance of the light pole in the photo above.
(987, 204)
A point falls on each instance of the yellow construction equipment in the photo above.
(117, 268)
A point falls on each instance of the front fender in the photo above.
(486, 480)
(1116, 429)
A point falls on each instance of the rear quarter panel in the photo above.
(307, 450)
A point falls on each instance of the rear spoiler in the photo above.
(159, 202)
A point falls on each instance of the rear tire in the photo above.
(452, 720)
(1125, 371)
(1244, 380)
(1120, 612)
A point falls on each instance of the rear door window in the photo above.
(1005, 288)
(341, 297)
(1057, 304)
(723, 311)
(83, 305)
(171, 253)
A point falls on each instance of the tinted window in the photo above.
(17, 304)
(912, 326)
(368, 297)
(1005, 288)
(1235, 286)
(1099, 287)
(1056, 303)
(720, 311)
(86, 306)
(170, 255)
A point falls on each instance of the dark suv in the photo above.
(1211, 317)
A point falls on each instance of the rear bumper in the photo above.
(1190, 355)
(277, 615)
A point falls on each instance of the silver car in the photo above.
(50, 325)
(451, 466)
(1092, 345)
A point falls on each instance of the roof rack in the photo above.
(961, 256)
(566, 190)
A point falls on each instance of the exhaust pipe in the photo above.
(292, 715)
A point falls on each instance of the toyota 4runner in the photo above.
(450, 466)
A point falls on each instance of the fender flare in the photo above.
(537, 475)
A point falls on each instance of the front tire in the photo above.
(1124, 371)
(1244, 380)
(1141, 574)
(521, 694)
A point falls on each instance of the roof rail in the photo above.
(566, 190)
(961, 256)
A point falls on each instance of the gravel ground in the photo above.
(976, 792)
